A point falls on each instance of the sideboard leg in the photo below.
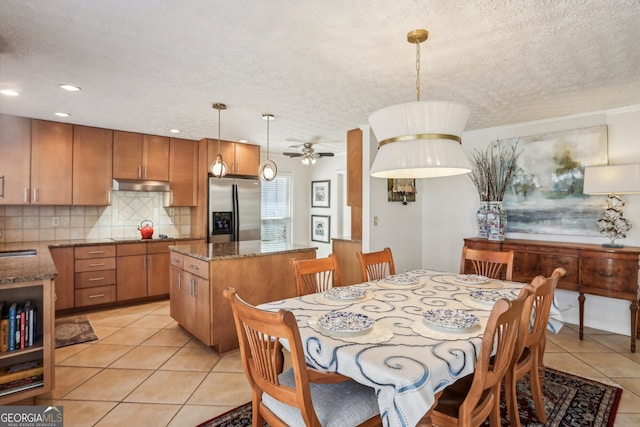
(581, 301)
(634, 324)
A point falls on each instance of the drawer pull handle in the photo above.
(96, 296)
(607, 275)
(96, 264)
(96, 252)
(95, 279)
(194, 267)
(175, 260)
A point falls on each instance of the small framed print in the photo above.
(320, 194)
(321, 228)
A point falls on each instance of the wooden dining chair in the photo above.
(487, 263)
(529, 350)
(376, 265)
(316, 275)
(300, 395)
(474, 398)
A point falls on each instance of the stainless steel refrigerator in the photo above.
(234, 209)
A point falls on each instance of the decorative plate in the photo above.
(488, 297)
(402, 279)
(471, 279)
(345, 293)
(346, 322)
(420, 272)
(450, 318)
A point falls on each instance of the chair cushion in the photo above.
(341, 404)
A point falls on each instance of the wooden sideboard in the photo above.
(591, 269)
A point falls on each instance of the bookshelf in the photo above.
(37, 359)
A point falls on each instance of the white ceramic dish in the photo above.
(402, 279)
(488, 297)
(346, 322)
(345, 293)
(471, 279)
(451, 318)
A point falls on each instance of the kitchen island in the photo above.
(260, 272)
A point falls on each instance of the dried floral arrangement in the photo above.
(494, 169)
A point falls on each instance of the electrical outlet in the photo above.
(55, 221)
(375, 221)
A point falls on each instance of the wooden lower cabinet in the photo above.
(591, 270)
(95, 275)
(63, 260)
(143, 269)
(189, 304)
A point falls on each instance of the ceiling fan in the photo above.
(308, 154)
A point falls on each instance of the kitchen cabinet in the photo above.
(95, 275)
(92, 166)
(15, 161)
(51, 162)
(354, 181)
(64, 261)
(142, 269)
(140, 157)
(41, 294)
(183, 173)
(241, 159)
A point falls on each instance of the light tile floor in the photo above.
(147, 371)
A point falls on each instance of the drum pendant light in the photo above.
(268, 169)
(419, 139)
(218, 168)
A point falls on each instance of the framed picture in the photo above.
(401, 190)
(321, 228)
(320, 194)
(546, 195)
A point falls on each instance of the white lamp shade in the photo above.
(433, 155)
(612, 179)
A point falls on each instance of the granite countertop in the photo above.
(41, 266)
(231, 250)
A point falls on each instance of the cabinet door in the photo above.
(247, 159)
(183, 172)
(15, 161)
(132, 277)
(63, 260)
(158, 274)
(127, 155)
(155, 160)
(198, 306)
(51, 162)
(92, 165)
(177, 299)
(228, 151)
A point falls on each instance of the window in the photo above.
(276, 209)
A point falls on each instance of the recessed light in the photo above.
(70, 88)
(60, 114)
(9, 92)
(174, 130)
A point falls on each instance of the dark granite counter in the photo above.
(41, 266)
(231, 250)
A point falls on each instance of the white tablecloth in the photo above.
(405, 360)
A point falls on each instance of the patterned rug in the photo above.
(570, 400)
(74, 330)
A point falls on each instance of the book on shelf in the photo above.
(12, 326)
(18, 322)
(21, 385)
(4, 329)
(8, 375)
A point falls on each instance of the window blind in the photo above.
(276, 209)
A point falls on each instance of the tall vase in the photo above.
(481, 220)
(496, 221)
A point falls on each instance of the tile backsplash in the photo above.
(121, 219)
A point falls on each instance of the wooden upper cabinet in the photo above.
(15, 160)
(183, 172)
(241, 159)
(140, 157)
(51, 162)
(354, 181)
(92, 165)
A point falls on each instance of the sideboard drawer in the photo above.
(93, 296)
(92, 279)
(609, 276)
(527, 265)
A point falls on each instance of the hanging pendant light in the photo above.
(219, 168)
(419, 139)
(268, 169)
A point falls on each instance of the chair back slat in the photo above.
(487, 263)
(376, 265)
(316, 275)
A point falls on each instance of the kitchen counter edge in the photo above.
(233, 250)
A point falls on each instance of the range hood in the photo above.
(136, 185)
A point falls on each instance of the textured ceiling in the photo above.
(321, 67)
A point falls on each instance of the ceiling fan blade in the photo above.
(292, 154)
(325, 154)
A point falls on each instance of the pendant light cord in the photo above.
(418, 71)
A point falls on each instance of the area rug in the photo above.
(570, 400)
(74, 330)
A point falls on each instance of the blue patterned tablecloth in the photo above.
(406, 360)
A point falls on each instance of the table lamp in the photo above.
(613, 180)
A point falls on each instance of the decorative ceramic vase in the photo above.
(481, 220)
(496, 221)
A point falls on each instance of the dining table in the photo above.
(408, 336)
